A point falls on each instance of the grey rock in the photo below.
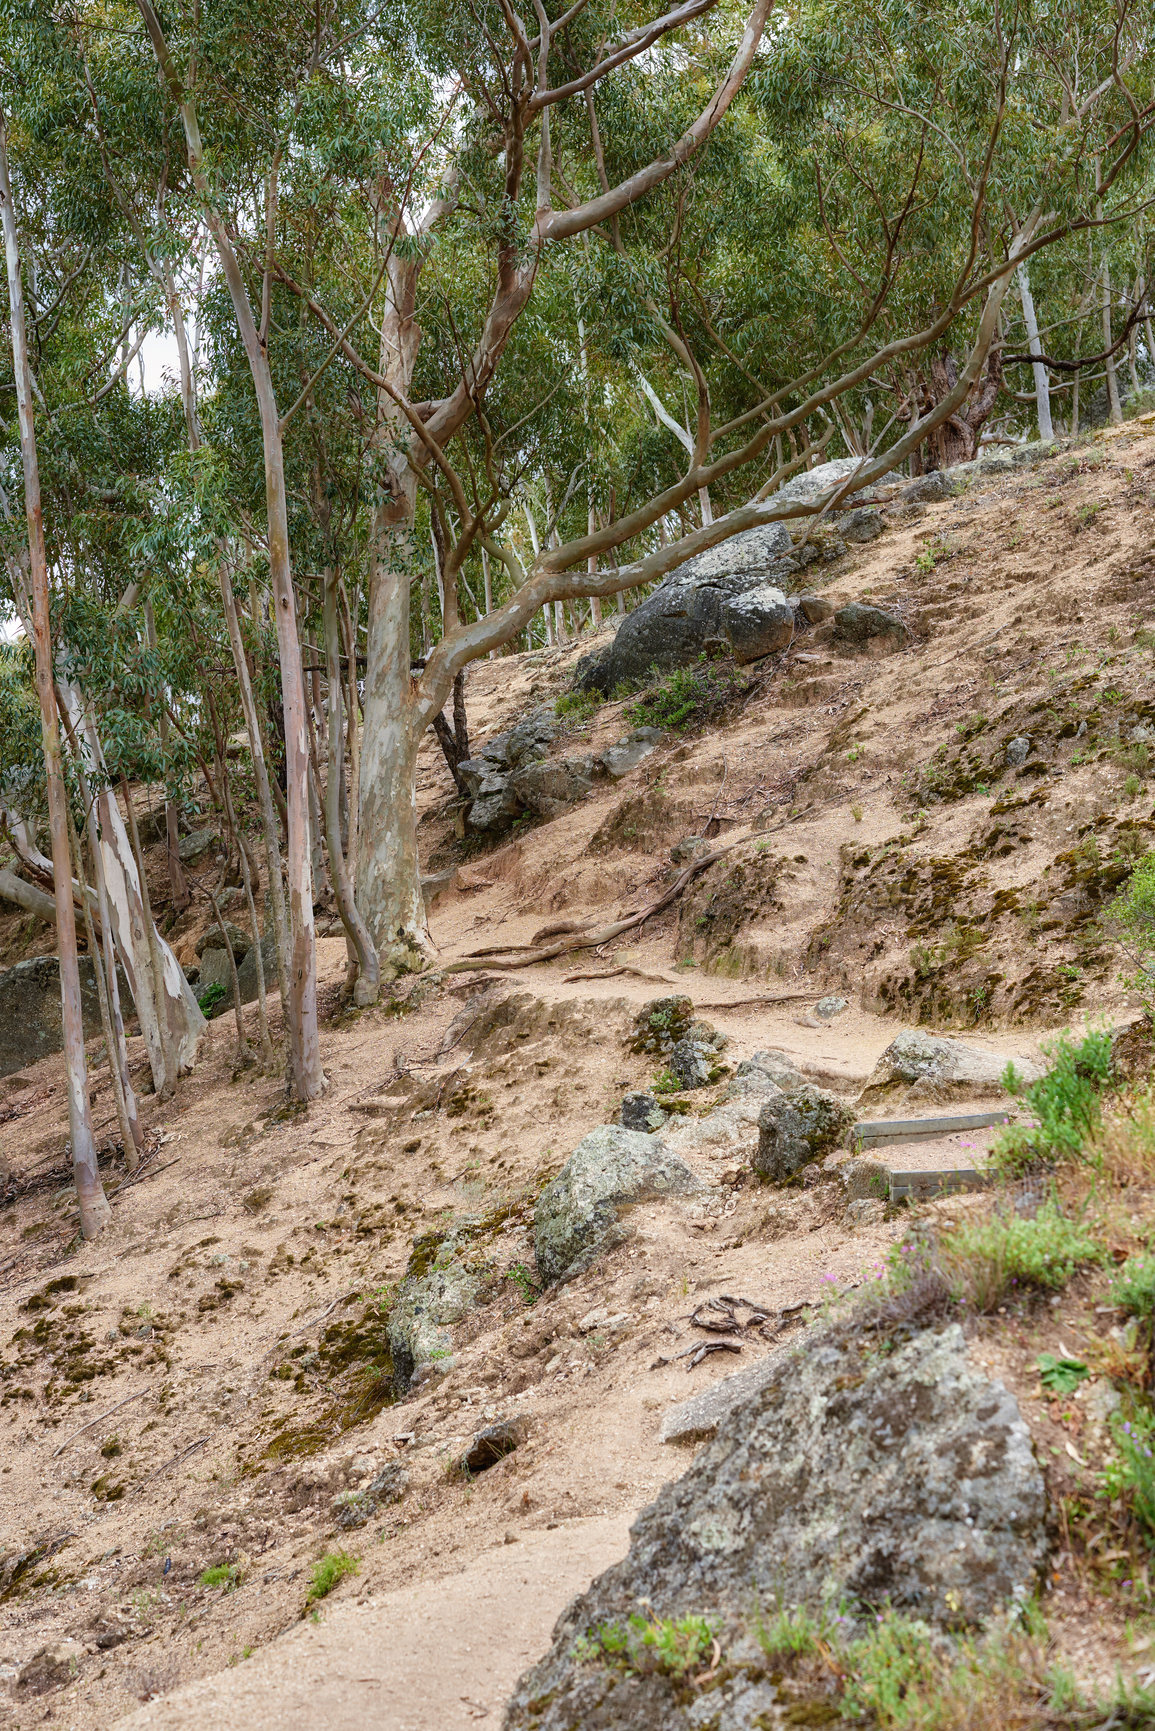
(847, 1478)
(858, 623)
(682, 619)
(758, 622)
(797, 1126)
(763, 1071)
(817, 480)
(918, 1067)
(827, 1008)
(660, 1024)
(865, 1211)
(355, 1508)
(577, 1215)
(424, 1310)
(927, 488)
(547, 788)
(473, 771)
(493, 1444)
(685, 850)
(238, 941)
(618, 760)
(1018, 750)
(815, 608)
(489, 812)
(530, 736)
(865, 524)
(865, 1180)
(641, 1112)
(215, 970)
(698, 1418)
(693, 1062)
(30, 1025)
(190, 847)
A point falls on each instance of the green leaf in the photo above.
(1061, 1375)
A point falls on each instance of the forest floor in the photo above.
(192, 1391)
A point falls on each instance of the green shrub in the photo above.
(987, 1262)
(1065, 1104)
(226, 1575)
(212, 996)
(1131, 916)
(578, 705)
(1133, 1287)
(691, 697)
(330, 1572)
(1131, 1475)
(673, 1646)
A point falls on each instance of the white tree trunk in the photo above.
(1042, 382)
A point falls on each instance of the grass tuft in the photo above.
(332, 1569)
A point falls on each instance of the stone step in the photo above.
(887, 1132)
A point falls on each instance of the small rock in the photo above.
(865, 524)
(828, 1007)
(759, 622)
(425, 1308)
(1099, 1399)
(866, 1180)
(694, 1063)
(1018, 750)
(641, 1112)
(660, 1024)
(858, 623)
(191, 846)
(816, 608)
(919, 1067)
(50, 1668)
(239, 942)
(865, 1211)
(493, 1444)
(618, 760)
(576, 1216)
(355, 1508)
(763, 1071)
(796, 1127)
(928, 488)
(683, 851)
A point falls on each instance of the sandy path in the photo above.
(440, 1654)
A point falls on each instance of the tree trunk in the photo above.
(367, 985)
(94, 1209)
(1042, 382)
(269, 825)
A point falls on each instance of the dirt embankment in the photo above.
(194, 1391)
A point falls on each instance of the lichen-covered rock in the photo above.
(426, 1307)
(547, 788)
(30, 1024)
(815, 608)
(618, 759)
(758, 622)
(355, 1508)
(641, 1112)
(848, 1479)
(918, 1069)
(493, 1444)
(762, 1071)
(694, 1062)
(796, 1126)
(865, 1180)
(858, 623)
(660, 1024)
(577, 1215)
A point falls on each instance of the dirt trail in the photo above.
(439, 1654)
(193, 1391)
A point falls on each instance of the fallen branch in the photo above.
(176, 1460)
(591, 941)
(93, 1422)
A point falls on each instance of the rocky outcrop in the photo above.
(512, 775)
(30, 1024)
(797, 1125)
(923, 1069)
(578, 1215)
(847, 1479)
(426, 1307)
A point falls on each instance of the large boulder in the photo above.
(578, 1215)
(426, 1307)
(758, 622)
(546, 789)
(797, 1125)
(849, 1480)
(920, 1069)
(30, 1025)
(683, 618)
